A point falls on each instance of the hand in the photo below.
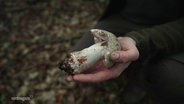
(123, 59)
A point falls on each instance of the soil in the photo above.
(35, 36)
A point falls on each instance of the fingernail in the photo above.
(115, 56)
(69, 78)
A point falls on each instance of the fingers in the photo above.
(101, 75)
(128, 53)
(97, 77)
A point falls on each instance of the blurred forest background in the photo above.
(34, 36)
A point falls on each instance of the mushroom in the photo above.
(79, 61)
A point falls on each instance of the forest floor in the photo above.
(35, 36)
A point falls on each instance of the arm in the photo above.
(162, 40)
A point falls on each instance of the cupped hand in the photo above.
(122, 59)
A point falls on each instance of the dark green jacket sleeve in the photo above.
(165, 39)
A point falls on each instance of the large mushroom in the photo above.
(79, 61)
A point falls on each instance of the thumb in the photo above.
(123, 56)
